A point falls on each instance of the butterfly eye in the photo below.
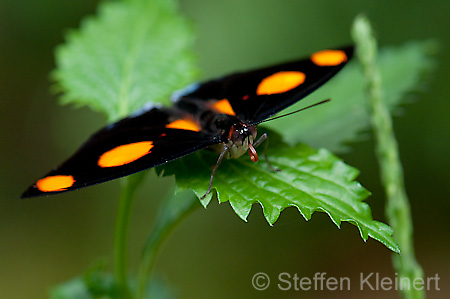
(236, 135)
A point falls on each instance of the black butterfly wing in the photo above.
(128, 146)
(160, 135)
(258, 94)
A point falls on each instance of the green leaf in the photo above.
(310, 180)
(96, 283)
(342, 119)
(72, 289)
(131, 53)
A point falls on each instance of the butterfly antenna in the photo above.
(307, 107)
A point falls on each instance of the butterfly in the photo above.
(220, 114)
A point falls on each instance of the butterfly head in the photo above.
(241, 137)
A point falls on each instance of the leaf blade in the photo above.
(148, 56)
(310, 180)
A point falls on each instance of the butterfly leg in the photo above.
(219, 160)
(258, 142)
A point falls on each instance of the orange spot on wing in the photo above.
(124, 154)
(329, 57)
(55, 183)
(184, 124)
(280, 82)
(224, 106)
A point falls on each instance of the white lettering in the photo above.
(436, 279)
(281, 277)
(305, 281)
(365, 281)
(418, 283)
(386, 283)
(332, 284)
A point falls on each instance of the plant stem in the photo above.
(129, 187)
(175, 209)
(397, 207)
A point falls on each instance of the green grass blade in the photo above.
(398, 210)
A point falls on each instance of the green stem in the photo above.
(174, 210)
(130, 185)
(397, 207)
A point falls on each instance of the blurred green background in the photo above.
(46, 241)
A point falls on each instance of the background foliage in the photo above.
(46, 241)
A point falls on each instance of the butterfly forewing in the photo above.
(131, 145)
(256, 95)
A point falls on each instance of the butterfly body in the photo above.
(220, 114)
(217, 118)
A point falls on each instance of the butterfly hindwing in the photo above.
(256, 95)
(128, 146)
